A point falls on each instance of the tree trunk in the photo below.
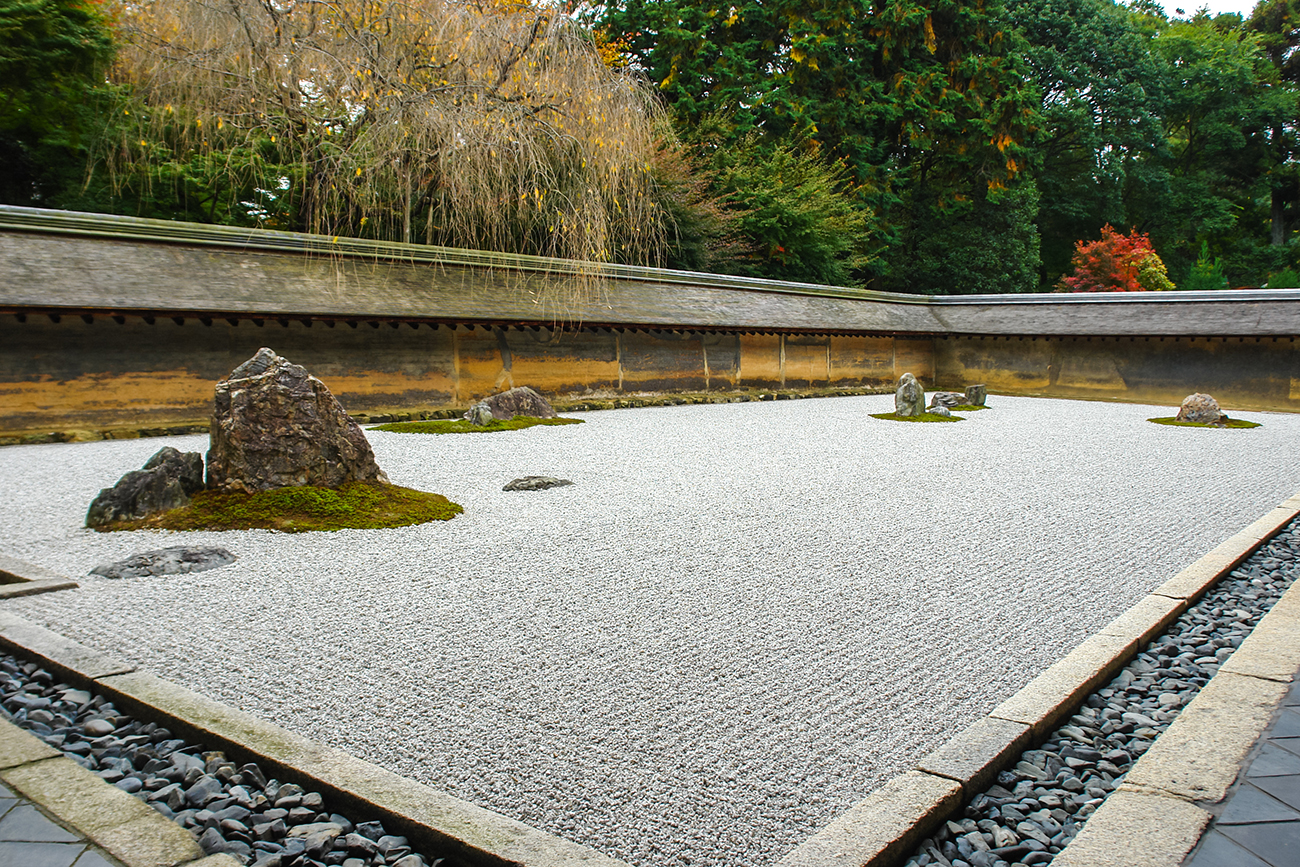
(1277, 213)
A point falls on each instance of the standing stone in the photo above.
(167, 481)
(480, 414)
(909, 397)
(276, 426)
(519, 401)
(976, 395)
(1202, 409)
(946, 399)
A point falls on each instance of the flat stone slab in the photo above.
(1199, 756)
(536, 483)
(1272, 650)
(113, 820)
(1136, 830)
(179, 560)
(1051, 696)
(63, 655)
(881, 827)
(974, 757)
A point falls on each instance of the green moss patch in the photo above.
(354, 506)
(1173, 421)
(460, 425)
(966, 407)
(929, 416)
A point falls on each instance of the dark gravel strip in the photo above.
(1036, 808)
(228, 808)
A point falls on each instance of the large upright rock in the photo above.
(167, 481)
(1202, 409)
(909, 397)
(518, 401)
(276, 426)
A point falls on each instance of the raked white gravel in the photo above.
(738, 621)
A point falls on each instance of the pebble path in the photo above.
(228, 808)
(1036, 808)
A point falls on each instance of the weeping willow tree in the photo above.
(489, 126)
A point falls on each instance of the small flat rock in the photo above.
(167, 561)
(536, 483)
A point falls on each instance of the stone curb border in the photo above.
(1157, 815)
(884, 827)
(431, 819)
(123, 826)
(24, 579)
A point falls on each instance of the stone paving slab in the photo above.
(18, 578)
(55, 812)
(1175, 789)
(1136, 829)
(882, 827)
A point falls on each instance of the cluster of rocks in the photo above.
(228, 808)
(1201, 409)
(909, 398)
(1037, 807)
(274, 425)
(508, 404)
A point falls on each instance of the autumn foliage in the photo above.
(1116, 263)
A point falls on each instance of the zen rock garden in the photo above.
(1202, 410)
(909, 402)
(284, 455)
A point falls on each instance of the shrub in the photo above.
(1116, 263)
(1207, 273)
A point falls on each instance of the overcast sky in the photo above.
(1242, 7)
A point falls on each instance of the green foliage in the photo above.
(460, 425)
(1234, 423)
(923, 417)
(1287, 278)
(51, 55)
(984, 247)
(1101, 100)
(926, 107)
(1207, 273)
(795, 210)
(353, 506)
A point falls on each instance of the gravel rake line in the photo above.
(1033, 810)
(227, 808)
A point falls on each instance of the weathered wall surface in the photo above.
(1261, 373)
(96, 375)
(119, 322)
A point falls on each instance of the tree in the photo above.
(925, 104)
(1222, 102)
(51, 54)
(1277, 26)
(1101, 102)
(1116, 263)
(487, 126)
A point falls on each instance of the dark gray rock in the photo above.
(274, 425)
(1202, 409)
(946, 399)
(167, 481)
(167, 561)
(535, 483)
(519, 401)
(976, 395)
(909, 397)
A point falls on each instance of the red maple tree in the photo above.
(1116, 263)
